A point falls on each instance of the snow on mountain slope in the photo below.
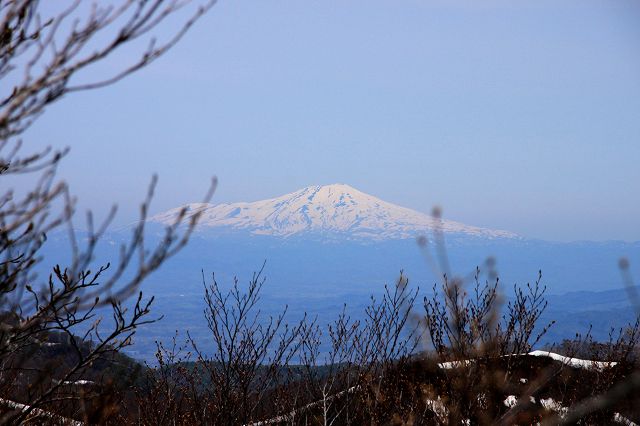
(328, 209)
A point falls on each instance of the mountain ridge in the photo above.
(337, 209)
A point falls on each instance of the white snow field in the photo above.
(337, 208)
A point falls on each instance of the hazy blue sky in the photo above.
(516, 115)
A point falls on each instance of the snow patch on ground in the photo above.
(42, 414)
(573, 362)
(552, 405)
(619, 418)
(510, 401)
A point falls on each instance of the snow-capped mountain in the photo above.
(329, 209)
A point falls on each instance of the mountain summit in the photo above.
(329, 209)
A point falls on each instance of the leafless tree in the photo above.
(371, 370)
(44, 47)
(248, 356)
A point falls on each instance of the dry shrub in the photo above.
(473, 365)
